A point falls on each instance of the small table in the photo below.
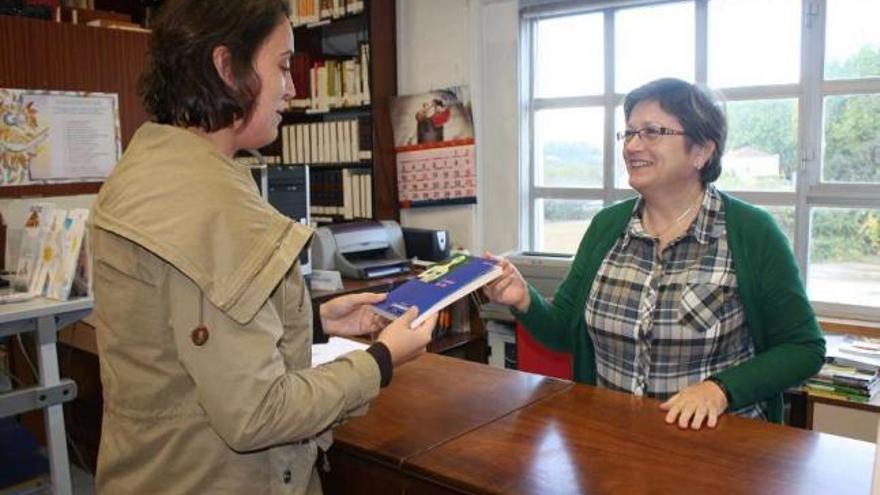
(44, 317)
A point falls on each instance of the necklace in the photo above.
(669, 227)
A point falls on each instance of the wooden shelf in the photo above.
(48, 190)
(376, 26)
(297, 115)
(339, 23)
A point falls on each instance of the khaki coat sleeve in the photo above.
(252, 400)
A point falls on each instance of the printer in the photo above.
(362, 250)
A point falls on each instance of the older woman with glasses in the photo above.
(683, 294)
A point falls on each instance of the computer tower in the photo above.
(286, 187)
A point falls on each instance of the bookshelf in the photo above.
(345, 73)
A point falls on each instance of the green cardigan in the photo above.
(789, 346)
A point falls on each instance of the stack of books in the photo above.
(845, 382)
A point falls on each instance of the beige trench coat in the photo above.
(180, 240)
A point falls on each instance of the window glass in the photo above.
(561, 66)
(845, 256)
(621, 177)
(653, 42)
(762, 146)
(851, 144)
(754, 42)
(852, 39)
(568, 147)
(563, 223)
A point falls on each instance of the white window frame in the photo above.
(809, 192)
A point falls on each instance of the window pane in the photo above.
(561, 68)
(784, 216)
(851, 145)
(563, 223)
(852, 40)
(845, 256)
(653, 42)
(621, 177)
(754, 42)
(762, 151)
(568, 147)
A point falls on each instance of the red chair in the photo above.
(533, 357)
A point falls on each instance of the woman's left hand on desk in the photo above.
(351, 315)
(694, 404)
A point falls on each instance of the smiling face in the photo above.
(668, 163)
(272, 65)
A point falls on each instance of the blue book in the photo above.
(439, 286)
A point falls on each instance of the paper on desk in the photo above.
(335, 347)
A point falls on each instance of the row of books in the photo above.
(844, 382)
(340, 192)
(53, 258)
(333, 142)
(313, 11)
(324, 84)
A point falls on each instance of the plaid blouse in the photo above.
(662, 321)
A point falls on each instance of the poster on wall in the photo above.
(57, 136)
(434, 143)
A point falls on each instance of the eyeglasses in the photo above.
(648, 134)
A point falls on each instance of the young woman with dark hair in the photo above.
(204, 323)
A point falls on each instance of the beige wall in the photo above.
(471, 42)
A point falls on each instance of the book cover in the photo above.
(439, 286)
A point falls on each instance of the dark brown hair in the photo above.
(181, 86)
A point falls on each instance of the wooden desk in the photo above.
(431, 400)
(577, 440)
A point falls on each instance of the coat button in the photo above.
(287, 476)
(199, 335)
